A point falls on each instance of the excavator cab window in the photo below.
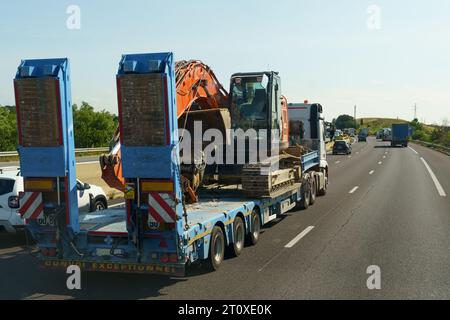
(249, 103)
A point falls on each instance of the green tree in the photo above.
(92, 129)
(8, 130)
(345, 121)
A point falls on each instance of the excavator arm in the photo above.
(201, 97)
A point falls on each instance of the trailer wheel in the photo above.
(306, 190)
(216, 248)
(323, 191)
(238, 236)
(313, 191)
(255, 227)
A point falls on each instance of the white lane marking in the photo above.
(87, 162)
(435, 180)
(384, 157)
(380, 162)
(116, 205)
(353, 190)
(371, 172)
(337, 162)
(413, 150)
(299, 237)
(357, 152)
(349, 156)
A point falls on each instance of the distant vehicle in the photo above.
(338, 133)
(342, 146)
(387, 134)
(379, 134)
(90, 198)
(400, 134)
(350, 131)
(363, 133)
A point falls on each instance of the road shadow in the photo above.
(23, 277)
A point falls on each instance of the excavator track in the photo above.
(264, 179)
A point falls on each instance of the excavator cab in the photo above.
(259, 122)
(256, 103)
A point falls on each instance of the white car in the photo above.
(90, 198)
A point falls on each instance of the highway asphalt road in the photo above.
(383, 209)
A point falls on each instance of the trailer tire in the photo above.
(313, 192)
(306, 190)
(255, 227)
(216, 248)
(323, 191)
(238, 237)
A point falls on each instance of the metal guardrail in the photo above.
(434, 146)
(77, 151)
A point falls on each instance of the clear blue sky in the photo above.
(323, 49)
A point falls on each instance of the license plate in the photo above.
(47, 221)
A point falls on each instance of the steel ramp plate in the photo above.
(109, 220)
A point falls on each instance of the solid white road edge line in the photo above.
(435, 180)
(87, 162)
(116, 205)
(413, 150)
(299, 237)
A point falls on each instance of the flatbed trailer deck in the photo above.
(99, 230)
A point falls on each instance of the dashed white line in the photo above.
(413, 150)
(337, 162)
(371, 172)
(380, 162)
(435, 180)
(349, 156)
(384, 157)
(353, 190)
(299, 237)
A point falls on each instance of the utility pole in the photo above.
(415, 110)
(354, 116)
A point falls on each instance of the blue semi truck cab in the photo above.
(155, 231)
(400, 133)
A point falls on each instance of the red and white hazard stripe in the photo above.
(162, 207)
(32, 206)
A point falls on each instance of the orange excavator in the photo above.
(255, 102)
(200, 97)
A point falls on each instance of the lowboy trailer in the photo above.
(155, 231)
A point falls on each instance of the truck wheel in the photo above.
(313, 191)
(306, 190)
(239, 236)
(100, 205)
(255, 227)
(216, 248)
(323, 191)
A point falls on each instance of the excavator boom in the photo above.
(200, 96)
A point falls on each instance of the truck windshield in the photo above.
(249, 103)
